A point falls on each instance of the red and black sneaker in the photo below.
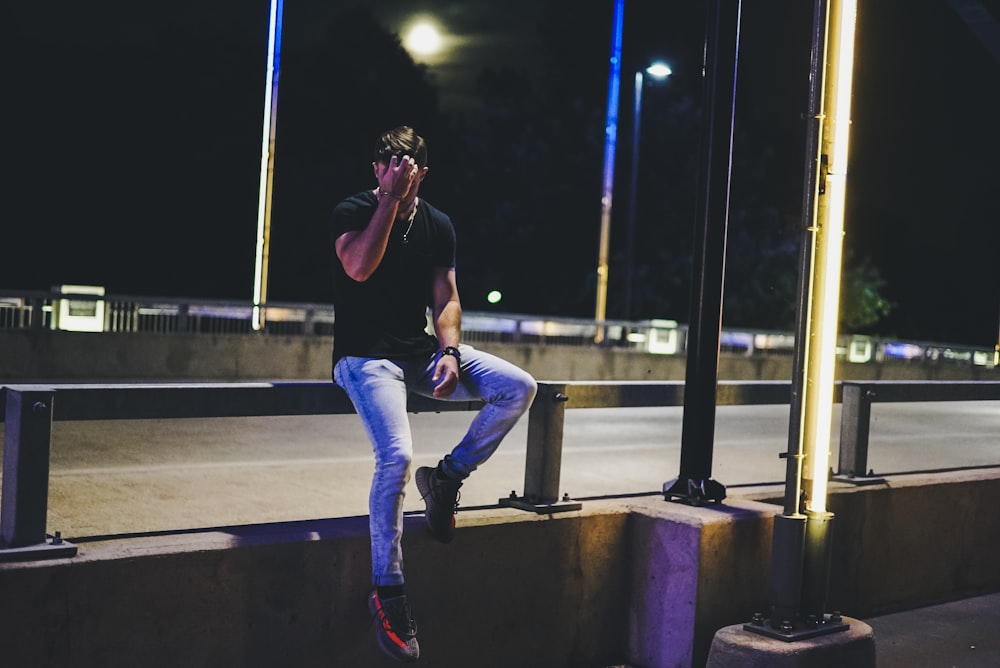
(440, 500)
(396, 631)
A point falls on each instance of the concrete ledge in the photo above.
(912, 540)
(514, 589)
(639, 582)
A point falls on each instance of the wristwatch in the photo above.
(453, 351)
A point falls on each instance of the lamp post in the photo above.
(608, 182)
(267, 165)
(658, 71)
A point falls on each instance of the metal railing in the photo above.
(29, 410)
(856, 413)
(87, 308)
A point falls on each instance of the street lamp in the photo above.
(658, 71)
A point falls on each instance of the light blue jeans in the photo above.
(379, 388)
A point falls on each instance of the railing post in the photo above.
(36, 314)
(545, 439)
(183, 317)
(24, 502)
(855, 426)
(544, 453)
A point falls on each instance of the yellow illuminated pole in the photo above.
(824, 292)
(267, 165)
(802, 539)
(823, 306)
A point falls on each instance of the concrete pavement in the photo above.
(958, 634)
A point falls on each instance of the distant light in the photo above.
(423, 39)
(659, 70)
(494, 296)
(906, 351)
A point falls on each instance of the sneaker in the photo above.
(396, 631)
(440, 498)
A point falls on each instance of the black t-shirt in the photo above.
(386, 316)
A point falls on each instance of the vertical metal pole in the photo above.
(694, 484)
(784, 585)
(816, 564)
(24, 503)
(855, 419)
(543, 459)
(267, 163)
(813, 117)
(818, 315)
(788, 543)
(824, 311)
(610, 142)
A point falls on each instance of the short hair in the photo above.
(401, 141)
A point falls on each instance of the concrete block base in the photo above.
(735, 647)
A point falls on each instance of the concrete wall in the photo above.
(57, 355)
(636, 581)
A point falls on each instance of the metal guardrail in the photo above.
(88, 308)
(29, 411)
(855, 418)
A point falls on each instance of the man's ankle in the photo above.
(389, 591)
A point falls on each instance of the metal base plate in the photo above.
(693, 492)
(799, 630)
(47, 550)
(540, 507)
(858, 480)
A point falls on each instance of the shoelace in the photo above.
(437, 492)
(389, 618)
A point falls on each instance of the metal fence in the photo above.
(88, 308)
(29, 411)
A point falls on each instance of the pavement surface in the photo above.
(957, 634)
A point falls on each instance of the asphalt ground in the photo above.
(125, 476)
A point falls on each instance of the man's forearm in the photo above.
(448, 324)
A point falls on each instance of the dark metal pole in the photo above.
(788, 543)
(813, 117)
(25, 499)
(694, 484)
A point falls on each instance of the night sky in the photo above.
(134, 142)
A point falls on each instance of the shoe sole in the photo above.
(387, 646)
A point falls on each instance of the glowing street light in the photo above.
(423, 38)
(658, 71)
